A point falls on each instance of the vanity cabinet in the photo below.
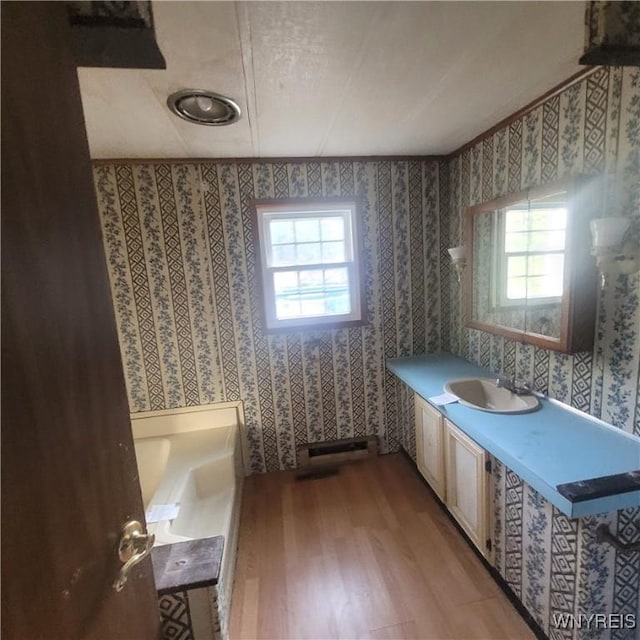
(455, 467)
(467, 485)
(430, 446)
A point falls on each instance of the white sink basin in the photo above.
(485, 395)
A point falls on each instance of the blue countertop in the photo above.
(548, 447)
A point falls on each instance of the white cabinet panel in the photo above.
(467, 494)
(455, 468)
(430, 446)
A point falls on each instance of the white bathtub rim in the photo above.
(147, 424)
(183, 483)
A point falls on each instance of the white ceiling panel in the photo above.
(334, 78)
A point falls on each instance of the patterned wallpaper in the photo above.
(180, 252)
(181, 258)
(552, 563)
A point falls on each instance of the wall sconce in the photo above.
(459, 259)
(614, 251)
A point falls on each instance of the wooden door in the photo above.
(430, 446)
(467, 485)
(69, 478)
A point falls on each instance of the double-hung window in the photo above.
(533, 248)
(310, 263)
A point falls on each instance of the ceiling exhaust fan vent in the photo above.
(204, 107)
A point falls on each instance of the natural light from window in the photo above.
(534, 245)
(309, 264)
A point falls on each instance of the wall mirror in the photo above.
(530, 275)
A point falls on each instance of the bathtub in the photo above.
(194, 457)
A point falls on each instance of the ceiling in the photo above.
(334, 78)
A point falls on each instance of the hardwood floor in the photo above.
(366, 553)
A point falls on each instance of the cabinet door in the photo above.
(430, 446)
(467, 485)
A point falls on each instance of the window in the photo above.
(310, 263)
(532, 256)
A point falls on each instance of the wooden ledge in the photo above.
(183, 566)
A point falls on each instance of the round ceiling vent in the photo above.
(204, 107)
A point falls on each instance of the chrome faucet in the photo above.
(510, 385)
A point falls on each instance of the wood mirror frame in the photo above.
(580, 279)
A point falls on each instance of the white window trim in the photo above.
(266, 211)
(500, 270)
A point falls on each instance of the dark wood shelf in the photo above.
(183, 566)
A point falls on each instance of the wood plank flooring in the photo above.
(366, 553)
